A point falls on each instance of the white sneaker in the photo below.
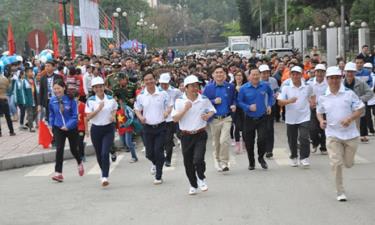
(294, 162)
(202, 184)
(341, 197)
(193, 191)
(153, 170)
(156, 181)
(105, 181)
(143, 149)
(305, 162)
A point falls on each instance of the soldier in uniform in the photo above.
(112, 79)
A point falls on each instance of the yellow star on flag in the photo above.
(120, 118)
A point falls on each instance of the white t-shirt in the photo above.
(298, 112)
(174, 94)
(372, 100)
(153, 105)
(338, 107)
(192, 120)
(104, 116)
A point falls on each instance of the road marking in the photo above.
(281, 156)
(42, 170)
(97, 171)
(360, 160)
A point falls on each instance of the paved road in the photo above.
(282, 195)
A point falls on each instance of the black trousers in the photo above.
(169, 143)
(154, 142)
(237, 126)
(254, 127)
(81, 143)
(60, 137)
(369, 121)
(276, 112)
(317, 134)
(4, 110)
(194, 150)
(298, 133)
(102, 137)
(23, 113)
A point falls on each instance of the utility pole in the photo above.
(286, 16)
(342, 36)
(67, 49)
(260, 22)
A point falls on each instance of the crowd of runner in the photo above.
(167, 100)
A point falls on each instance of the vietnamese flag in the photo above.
(11, 45)
(73, 46)
(45, 136)
(55, 42)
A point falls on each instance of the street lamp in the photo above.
(142, 23)
(64, 3)
(153, 28)
(118, 15)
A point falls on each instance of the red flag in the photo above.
(45, 136)
(61, 16)
(91, 46)
(11, 45)
(87, 45)
(73, 46)
(71, 13)
(113, 24)
(55, 42)
(105, 22)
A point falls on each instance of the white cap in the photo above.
(320, 67)
(296, 69)
(191, 79)
(368, 65)
(333, 71)
(164, 78)
(350, 66)
(263, 68)
(96, 81)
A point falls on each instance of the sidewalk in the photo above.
(23, 149)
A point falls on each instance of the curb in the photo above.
(41, 158)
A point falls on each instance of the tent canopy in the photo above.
(133, 44)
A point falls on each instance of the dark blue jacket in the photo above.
(210, 93)
(68, 118)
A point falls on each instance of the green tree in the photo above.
(245, 16)
(231, 29)
(364, 10)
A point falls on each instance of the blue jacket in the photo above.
(365, 74)
(210, 93)
(68, 118)
(262, 96)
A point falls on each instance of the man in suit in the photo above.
(46, 87)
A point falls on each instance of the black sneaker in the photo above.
(269, 155)
(251, 168)
(225, 169)
(12, 134)
(113, 157)
(263, 164)
(167, 163)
